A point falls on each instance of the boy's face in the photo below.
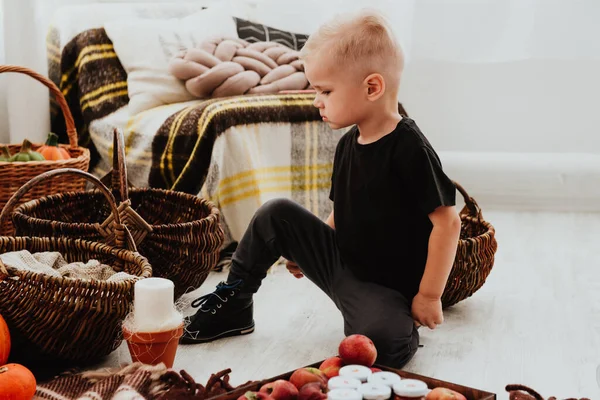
(340, 97)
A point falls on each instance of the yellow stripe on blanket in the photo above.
(52, 48)
(228, 104)
(293, 174)
(233, 179)
(108, 96)
(85, 56)
(87, 102)
(168, 154)
(97, 56)
(53, 57)
(85, 51)
(103, 89)
(91, 57)
(257, 191)
(315, 176)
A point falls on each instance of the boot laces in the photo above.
(212, 301)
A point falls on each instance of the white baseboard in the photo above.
(528, 181)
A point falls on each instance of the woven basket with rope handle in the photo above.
(66, 318)
(474, 255)
(13, 175)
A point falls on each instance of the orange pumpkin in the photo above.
(17, 382)
(4, 341)
(51, 150)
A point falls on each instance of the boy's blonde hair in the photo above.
(364, 40)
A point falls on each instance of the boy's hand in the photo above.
(427, 311)
(294, 269)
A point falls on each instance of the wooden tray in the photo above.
(468, 392)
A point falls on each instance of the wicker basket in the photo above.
(64, 318)
(475, 254)
(14, 174)
(180, 234)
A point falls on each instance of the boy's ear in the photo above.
(375, 85)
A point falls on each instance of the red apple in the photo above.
(441, 393)
(280, 390)
(313, 391)
(331, 366)
(373, 369)
(255, 396)
(358, 349)
(305, 375)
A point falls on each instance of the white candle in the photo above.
(359, 372)
(153, 306)
(344, 394)
(339, 382)
(375, 391)
(412, 388)
(385, 377)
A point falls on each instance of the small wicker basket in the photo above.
(65, 318)
(13, 175)
(475, 253)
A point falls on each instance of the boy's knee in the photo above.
(276, 208)
(394, 349)
(399, 357)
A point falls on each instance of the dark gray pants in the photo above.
(284, 228)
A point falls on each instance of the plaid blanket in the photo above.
(91, 78)
(134, 382)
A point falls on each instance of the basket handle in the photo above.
(470, 202)
(530, 391)
(60, 98)
(119, 171)
(12, 202)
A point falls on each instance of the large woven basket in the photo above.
(180, 234)
(13, 175)
(475, 254)
(66, 318)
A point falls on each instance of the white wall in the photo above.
(507, 76)
(3, 111)
(519, 106)
(26, 99)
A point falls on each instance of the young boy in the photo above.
(386, 250)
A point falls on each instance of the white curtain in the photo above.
(26, 100)
(509, 75)
(24, 106)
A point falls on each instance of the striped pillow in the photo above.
(255, 32)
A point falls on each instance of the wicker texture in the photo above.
(69, 319)
(180, 234)
(474, 256)
(14, 174)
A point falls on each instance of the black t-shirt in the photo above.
(382, 193)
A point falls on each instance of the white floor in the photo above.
(536, 321)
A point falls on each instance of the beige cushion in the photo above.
(231, 66)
